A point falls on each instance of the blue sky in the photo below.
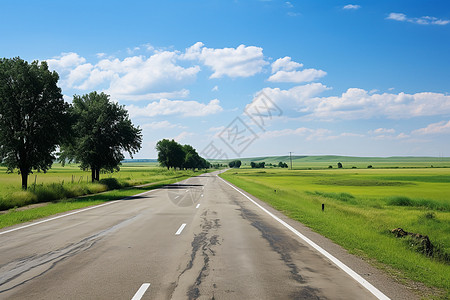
(365, 78)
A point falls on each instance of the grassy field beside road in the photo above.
(361, 207)
(63, 186)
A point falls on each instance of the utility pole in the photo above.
(290, 158)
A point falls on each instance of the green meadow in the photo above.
(67, 188)
(362, 206)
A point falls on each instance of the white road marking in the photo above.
(141, 291)
(73, 213)
(377, 293)
(198, 205)
(180, 229)
(177, 197)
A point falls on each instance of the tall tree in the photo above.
(33, 116)
(191, 158)
(101, 132)
(170, 154)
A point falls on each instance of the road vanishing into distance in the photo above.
(199, 239)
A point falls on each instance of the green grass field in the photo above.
(323, 161)
(361, 207)
(62, 185)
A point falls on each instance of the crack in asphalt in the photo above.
(281, 244)
(203, 244)
(20, 271)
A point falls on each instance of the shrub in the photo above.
(400, 201)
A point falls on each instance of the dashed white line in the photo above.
(180, 229)
(141, 291)
(198, 205)
(377, 293)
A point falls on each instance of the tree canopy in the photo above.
(173, 155)
(102, 130)
(33, 116)
(235, 163)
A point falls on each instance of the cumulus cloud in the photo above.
(295, 97)
(285, 64)
(359, 104)
(166, 107)
(65, 62)
(425, 20)
(133, 78)
(442, 127)
(286, 71)
(351, 7)
(243, 61)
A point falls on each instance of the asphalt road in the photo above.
(200, 239)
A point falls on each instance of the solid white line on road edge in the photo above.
(180, 229)
(73, 213)
(141, 291)
(377, 293)
(198, 205)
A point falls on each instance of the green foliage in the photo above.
(33, 116)
(235, 164)
(173, 155)
(260, 165)
(101, 131)
(339, 165)
(170, 154)
(282, 165)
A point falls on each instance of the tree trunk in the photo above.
(24, 180)
(93, 174)
(97, 174)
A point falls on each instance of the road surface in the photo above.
(199, 239)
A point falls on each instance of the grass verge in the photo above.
(362, 224)
(15, 216)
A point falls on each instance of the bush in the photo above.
(111, 183)
(400, 201)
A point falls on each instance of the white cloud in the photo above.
(352, 7)
(161, 125)
(296, 96)
(288, 4)
(442, 127)
(382, 131)
(359, 104)
(286, 71)
(285, 64)
(243, 61)
(305, 75)
(166, 107)
(425, 20)
(182, 136)
(215, 88)
(308, 133)
(133, 78)
(157, 73)
(65, 62)
(183, 93)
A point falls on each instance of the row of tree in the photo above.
(35, 122)
(235, 164)
(174, 155)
